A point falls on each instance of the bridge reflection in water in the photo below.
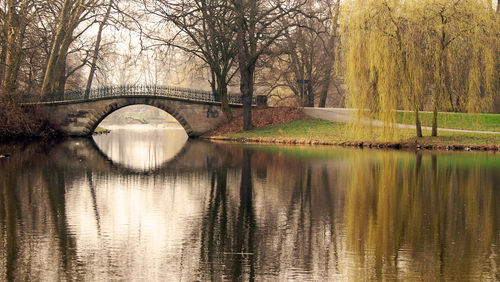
(141, 148)
(219, 211)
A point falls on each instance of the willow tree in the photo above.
(463, 44)
(380, 65)
(419, 54)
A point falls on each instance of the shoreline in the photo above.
(291, 126)
(361, 145)
(304, 128)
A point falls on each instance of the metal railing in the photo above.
(137, 90)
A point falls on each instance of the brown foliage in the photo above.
(261, 118)
(24, 122)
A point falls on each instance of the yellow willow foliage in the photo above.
(395, 203)
(377, 64)
(481, 56)
(418, 55)
(359, 200)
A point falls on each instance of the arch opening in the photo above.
(140, 137)
(143, 114)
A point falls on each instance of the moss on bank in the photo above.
(101, 130)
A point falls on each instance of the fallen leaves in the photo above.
(260, 118)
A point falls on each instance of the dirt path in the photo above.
(342, 115)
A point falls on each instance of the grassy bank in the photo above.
(101, 130)
(318, 131)
(483, 122)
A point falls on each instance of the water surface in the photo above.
(148, 205)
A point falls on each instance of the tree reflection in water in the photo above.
(221, 211)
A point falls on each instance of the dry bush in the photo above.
(260, 118)
(18, 122)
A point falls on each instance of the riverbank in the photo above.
(24, 123)
(301, 129)
(101, 130)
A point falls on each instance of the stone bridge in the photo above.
(78, 113)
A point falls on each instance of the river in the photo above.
(149, 205)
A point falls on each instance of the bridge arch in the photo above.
(93, 123)
(81, 117)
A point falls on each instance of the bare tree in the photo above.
(70, 16)
(97, 46)
(330, 45)
(204, 29)
(303, 61)
(15, 20)
(258, 25)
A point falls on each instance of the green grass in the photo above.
(100, 129)
(309, 128)
(482, 122)
(335, 132)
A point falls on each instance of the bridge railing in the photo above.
(139, 90)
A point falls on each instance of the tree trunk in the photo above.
(3, 51)
(15, 28)
(326, 87)
(220, 78)
(331, 54)
(61, 81)
(435, 113)
(443, 90)
(213, 86)
(434, 122)
(59, 84)
(246, 87)
(322, 99)
(418, 126)
(310, 95)
(51, 72)
(444, 76)
(93, 65)
(69, 18)
(246, 63)
(446, 83)
(12, 58)
(222, 92)
(412, 94)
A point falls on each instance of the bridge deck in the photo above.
(136, 90)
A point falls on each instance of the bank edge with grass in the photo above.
(312, 131)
